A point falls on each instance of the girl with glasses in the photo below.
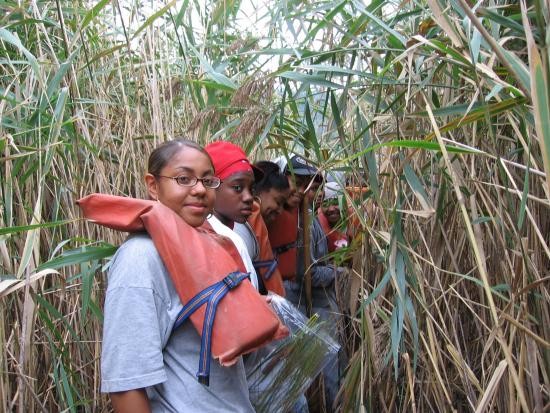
(149, 356)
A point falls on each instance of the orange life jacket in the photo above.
(283, 235)
(274, 281)
(335, 239)
(196, 259)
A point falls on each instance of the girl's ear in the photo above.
(152, 186)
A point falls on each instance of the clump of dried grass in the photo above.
(240, 44)
(204, 119)
(254, 92)
(253, 122)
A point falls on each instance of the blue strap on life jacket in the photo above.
(271, 265)
(212, 296)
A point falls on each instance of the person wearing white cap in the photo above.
(330, 216)
(326, 238)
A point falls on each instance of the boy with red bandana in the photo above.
(234, 197)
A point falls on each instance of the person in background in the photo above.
(271, 193)
(327, 237)
(283, 224)
(330, 217)
(234, 197)
(146, 366)
(287, 237)
(286, 231)
(323, 271)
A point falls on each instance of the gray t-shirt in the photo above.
(141, 351)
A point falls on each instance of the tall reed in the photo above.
(440, 109)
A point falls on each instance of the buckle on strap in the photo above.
(204, 379)
(284, 248)
(233, 279)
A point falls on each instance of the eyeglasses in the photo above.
(212, 182)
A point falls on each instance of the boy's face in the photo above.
(313, 192)
(331, 210)
(272, 203)
(298, 187)
(234, 198)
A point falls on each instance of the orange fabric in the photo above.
(195, 259)
(333, 235)
(284, 231)
(275, 282)
(356, 192)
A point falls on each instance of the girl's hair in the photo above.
(273, 178)
(162, 154)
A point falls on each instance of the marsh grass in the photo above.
(440, 110)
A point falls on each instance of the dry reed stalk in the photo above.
(533, 369)
(120, 107)
(492, 386)
(481, 268)
(410, 383)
